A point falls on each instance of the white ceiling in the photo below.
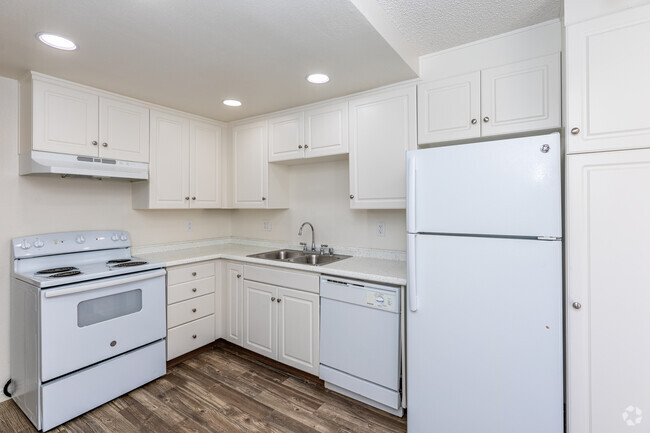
(434, 25)
(190, 55)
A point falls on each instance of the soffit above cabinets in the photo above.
(434, 25)
(192, 55)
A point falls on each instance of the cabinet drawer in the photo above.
(192, 309)
(190, 336)
(189, 290)
(185, 273)
(305, 281)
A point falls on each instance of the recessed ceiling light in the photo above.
(56, 41)
(231, 102)
(318, 78)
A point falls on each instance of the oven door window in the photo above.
(98, 310)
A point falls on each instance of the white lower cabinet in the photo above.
(261, 318)
(608, 351)
(298, 329)
(191, 306)
(234, 302)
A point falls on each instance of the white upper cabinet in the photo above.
(523, 96)
(608, 65)
(518, 97)
(185, 171)
(123, 130)
(382, 129)
(64, 120)
(317, 132)
(449, 109)
(286, 137)
(250, 164)
(71, 119)
(205, 165)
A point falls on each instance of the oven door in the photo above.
(88, 322)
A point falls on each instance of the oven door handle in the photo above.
(103, 284)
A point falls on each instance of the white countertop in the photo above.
(364, 268)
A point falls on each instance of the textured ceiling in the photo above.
(434, 25)
(190, 55)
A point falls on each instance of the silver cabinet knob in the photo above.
(300, 146)
(263, 198)
(193, 198)
(575, 131)
(279, 300)
(194, 289)
(113, 343)
(474, 121)
(187, 198)
(194, 274)
(306, 146)
(351, 196)
(193, 310)
(94, 142)
(486, 119)
(105, 144)
(238, 275)
(194, 336)
(577, 305)
(273, 299)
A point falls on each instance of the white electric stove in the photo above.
(88, 323)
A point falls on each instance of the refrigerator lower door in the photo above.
(484, 346)
(505, 188)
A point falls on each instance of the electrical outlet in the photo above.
(268, 226)
(189, 225)
(381, 229)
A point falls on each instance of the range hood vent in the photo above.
(37, 162)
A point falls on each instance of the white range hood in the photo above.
(37, 162)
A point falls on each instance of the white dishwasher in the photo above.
(360, 352)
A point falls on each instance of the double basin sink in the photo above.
(302, 257)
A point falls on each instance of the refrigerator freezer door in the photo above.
(484, 348)
(504, 188)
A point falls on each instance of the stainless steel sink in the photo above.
(296, 256)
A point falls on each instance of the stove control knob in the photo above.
(80, 239)
(115, 237)
(124, 238)
(39, 243)
(26, 245)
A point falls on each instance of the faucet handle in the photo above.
(304, 246)
(322, 248)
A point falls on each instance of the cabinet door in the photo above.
(382, 129)
(65, 120)
(205, 165)
(326, 130)
(608, 351)
(449, 109)
(607, 65)
(123, 130)
(170, 161)
(260, 318)
(250, 165)
(522, 96)
(298, 329)
(286, 137)
(234, 302)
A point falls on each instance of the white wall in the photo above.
(319, 193)
(31, 204)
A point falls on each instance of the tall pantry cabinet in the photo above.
(608, 222)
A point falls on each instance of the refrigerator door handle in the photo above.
(410, 192)
(410, 273)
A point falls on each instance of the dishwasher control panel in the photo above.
(380, 300)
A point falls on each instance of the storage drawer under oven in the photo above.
(85, 323)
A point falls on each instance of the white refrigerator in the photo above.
(484, 314)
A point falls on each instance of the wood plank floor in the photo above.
(223, 390)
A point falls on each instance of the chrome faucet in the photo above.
(313, 244)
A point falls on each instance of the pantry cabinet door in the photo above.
(205, 165)
(522, 96)
(123, 130)
(170, 161)
(298, 329)
(607, 303)
(234, 303)
(382, 129)
(607, 65)
(260, 318)
(65, 120)
(326, 130)
(286, 137)
(250, 165)
(449, 109)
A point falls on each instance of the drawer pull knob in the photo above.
(279, 300)
(194, 289)
(194, 336)
(113, 343)
(575, 131)
(194, 274)
(272, 299)
(193, 310)
(486, 119)
(238, 275)
(473, 121)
